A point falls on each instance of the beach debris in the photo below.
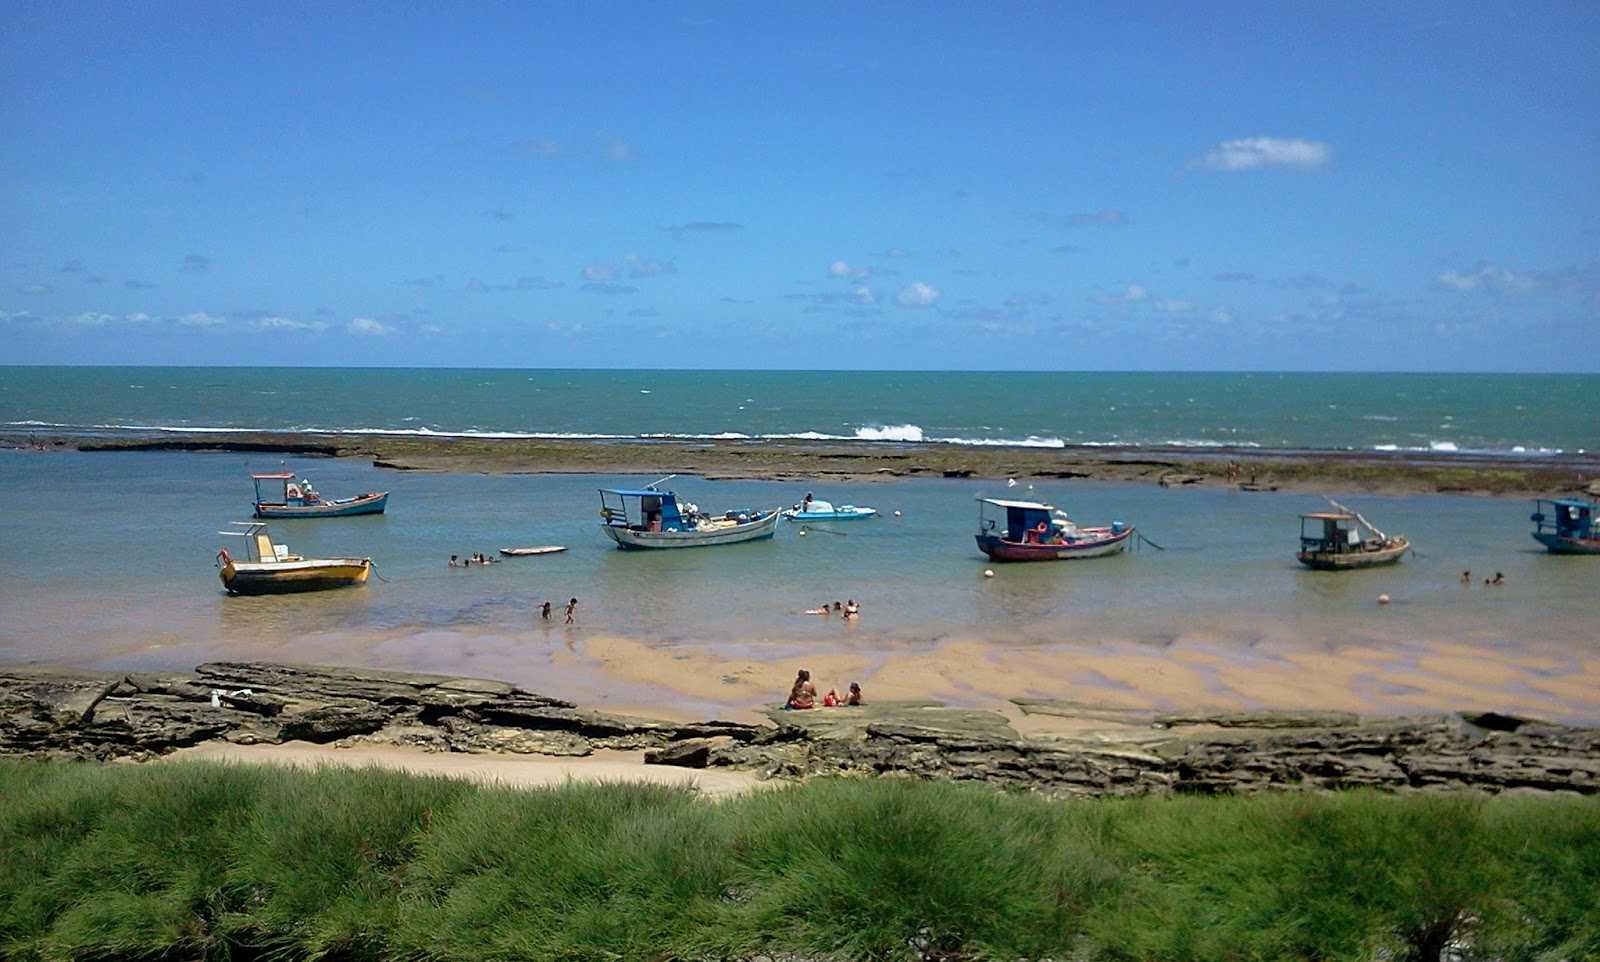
(217, 694)
(1384, 598)
(988, 572)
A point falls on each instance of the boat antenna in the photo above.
(652, 484)
(1357, 515)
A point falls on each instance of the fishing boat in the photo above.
(537, 550)
(1033, 531)
(812, 509)
(270, 569)
(287, 498)
(1568, 527)
(1342, 539)
(651, 518)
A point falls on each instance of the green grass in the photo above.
(191, 861)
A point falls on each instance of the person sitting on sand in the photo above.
(831, 699)
(803, 694)
(854, 698)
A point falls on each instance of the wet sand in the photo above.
(512, 771)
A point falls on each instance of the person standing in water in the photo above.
(572, 611)
(544, 611)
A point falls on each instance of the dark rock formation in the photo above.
(102, 716)
(1104, 752)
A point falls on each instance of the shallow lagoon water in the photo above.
(107, 560)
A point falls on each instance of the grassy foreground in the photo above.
(191, 860)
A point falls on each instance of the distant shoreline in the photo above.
(1380, 472)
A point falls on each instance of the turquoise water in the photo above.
(106, 560)
(1525, 414)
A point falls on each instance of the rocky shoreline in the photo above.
(1249, 469)
(64, 714)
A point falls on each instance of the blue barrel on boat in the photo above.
(1117, 527)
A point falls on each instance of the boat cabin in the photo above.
(1018, 521)
(1330, 533)
(644, 509)
(1565, 517)
(282, 488)
(258, 544)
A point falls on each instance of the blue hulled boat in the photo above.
(1566, 526)
(651, 518)
(298, 499)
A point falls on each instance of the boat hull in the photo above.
(629, 539)
(1556, 544)
(1352, 560)
(1103, 541)
(341, 508)
(288, 577)
(530, 552)
(855, 515)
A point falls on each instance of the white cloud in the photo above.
(646, 267)
(842, 269)
(1253, 153)
(200, 319)
(367, 327)
(276, 323)
(1222, 316)
(137, 317)
(863, 294)
(1486, 277)
(918, 294)
(1173, 306)
(91, 319)
(1132, 295)
(600, 272)
(16, 316)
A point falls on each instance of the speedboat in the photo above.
(271, 569)
(812, 509)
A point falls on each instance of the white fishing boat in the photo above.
(651, 518)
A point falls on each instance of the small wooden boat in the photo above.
(651, 518)
(813, 510)
(1336, 542)
(298, 499)
(1032, 531)
(525, 552)
(1569, 526)
(270, 569)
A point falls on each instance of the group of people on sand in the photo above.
(803, 694)
(1496, 581)
(545, 612)
(847, 610)
(476, 559)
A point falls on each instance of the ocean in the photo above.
(1512, 414)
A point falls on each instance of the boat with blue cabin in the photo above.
(813, 509)
(1566, 526)
(651, 518)
(287, 498)
(1034, 531)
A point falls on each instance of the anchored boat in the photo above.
(298, 499)
(1032, 531)
(270, 569)
(812, 509)
(1336, 542)
(1567, 528)
(651, 518)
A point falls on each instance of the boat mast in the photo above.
(1357, 515)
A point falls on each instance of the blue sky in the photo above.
(1273, 186)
